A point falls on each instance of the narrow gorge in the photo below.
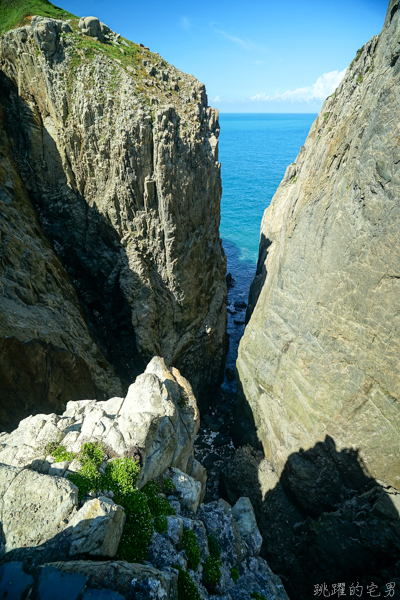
(125, 471)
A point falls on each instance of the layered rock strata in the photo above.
(119, 152)
(318, 365)
(320, 354)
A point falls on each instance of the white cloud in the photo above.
(321, 89)
(216, 99)
(247, 44)
(185, 22)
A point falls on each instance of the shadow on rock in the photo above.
(324, 521)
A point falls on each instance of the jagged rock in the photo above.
(35, 507)
(142, 169)
(168, 397)
(256, 576)
(199, 473)
(175, 529)
(218, 520)
(162, 553)
(157, 422)
(245, 520)
(189, 488)
(97, 528)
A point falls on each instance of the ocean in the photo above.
(254, 151)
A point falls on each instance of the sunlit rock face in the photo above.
(320, 353)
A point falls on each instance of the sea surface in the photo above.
(254, 151)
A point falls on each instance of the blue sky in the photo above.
(254, 56)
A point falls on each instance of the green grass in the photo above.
(14, 13)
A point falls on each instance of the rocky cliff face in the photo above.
(47, 355)
(320, 354)
(119, 153)
(318, 366)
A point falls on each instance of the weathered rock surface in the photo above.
(318, 366)
(97, 528)
(47, 355)
(119, 152)
(34, 508)
(320, 354)
(153, 421)
(44, 529)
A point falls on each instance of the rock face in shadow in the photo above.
(347, 527)
(120, 159)
(47, 354)
(320, 353)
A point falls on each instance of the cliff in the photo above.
(118, 152)
(320, 353)
(47, 355)
(318, 366)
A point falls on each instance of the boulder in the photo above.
(124, 578)
(245, 520)
(46, 32)
(91, 26)
(189, 488)
(97, 528)
(35, 508)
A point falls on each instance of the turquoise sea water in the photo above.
(254, 151)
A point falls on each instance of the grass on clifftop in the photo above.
(14, 13)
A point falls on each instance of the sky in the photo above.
(253, 56)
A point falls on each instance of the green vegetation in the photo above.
(168, 485)
(326, 116)
(187, 589)
(192, 549)
(257, 596)
(235, 574)
(212, 566)
(211, 573)
(182, 402)
(15, 13)
(59, 453)
(357, 56)
(146, 509)
(359, 79)
(213, 546)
